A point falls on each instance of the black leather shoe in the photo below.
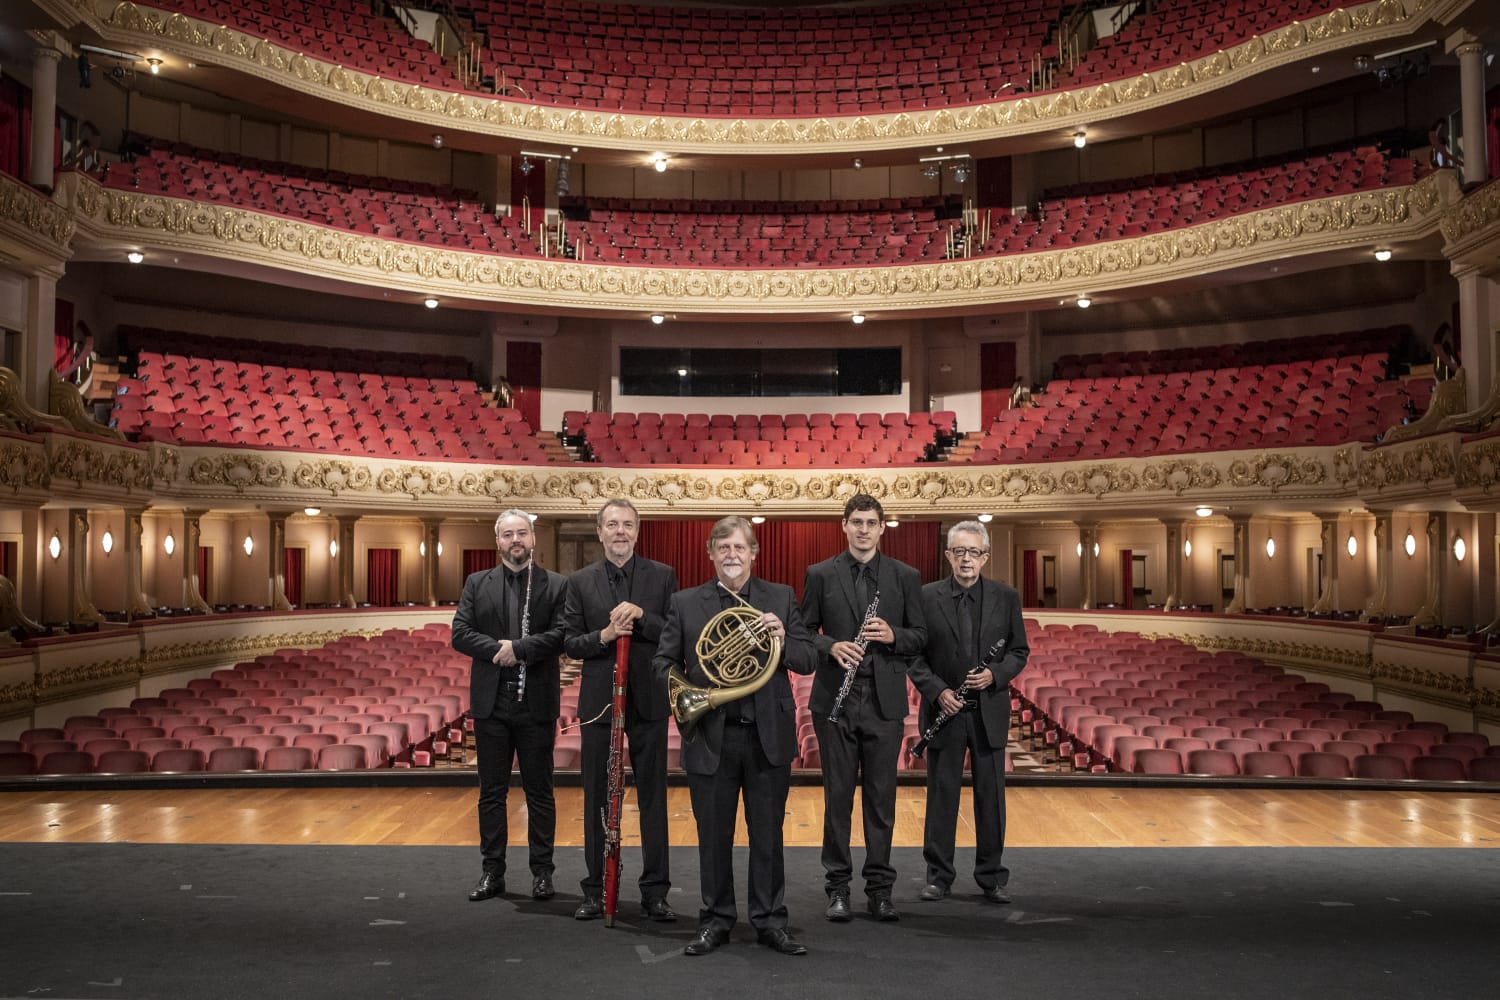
(708, 939)
(882, 909)
(838, 906)
(541, 887)
(489, 886)
(657, 909)
(996, 894)
(932, 892)
(777, 939)
(592, 908)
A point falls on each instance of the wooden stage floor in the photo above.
(1074, 815)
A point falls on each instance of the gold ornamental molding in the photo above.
(1344, 662)
(56, 684)
(1474, 220)
(1430, 685)
(117, 470)
(210, 475)
(1427, 466)
(193, 39)
(1390, 215)
(1479, 466)
(24, 467)
(176, 656)
(33, 227)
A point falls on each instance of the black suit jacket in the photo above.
(943, 665)
(775, 709)
(830, 605)
(589, 602)
(479, 625)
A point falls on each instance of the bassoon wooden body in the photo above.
(615, 803)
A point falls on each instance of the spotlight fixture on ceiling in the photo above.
(659, 161)
(1083, 301)
(1080, 138)
(430, 302)
(857, 318)
(155, 65)
(437, 141)
(657, 319)
(135, 256)
(1382, 255)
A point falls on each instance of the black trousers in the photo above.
(860, 748)
(743, 767)
(945, 781)
(511, 734)
(647, 742)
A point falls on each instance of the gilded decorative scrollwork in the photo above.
(1427, 680)
(497, 484)
(758, 488)
(16, 694)
(226, 646)
(1478, 211)
(1099, 479)
(1478, 465)
(231, 47)
(415, 481)
(587, 488)
(841, 486)
(671, 487)
(1354, 661)
(86, 673)
(1274, 470)
(36, 214)
(333, 475)
(120, 468)
(1417, 464)
(237, 471)
(24, 466)
(1180, 475)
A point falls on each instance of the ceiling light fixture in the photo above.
(1382, 255)
(986, 518)
(312, 511)
(659, 161)
(1204, 511)
(430, 302)
(155, 65)
(657, 319)
(893, 524)
(758, 519)
(135, 256)
(857, 318)
(526, 166)
(1080, 138)
(1083, 301)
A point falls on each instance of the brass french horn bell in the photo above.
(737, 653)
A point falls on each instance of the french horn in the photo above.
(737, 653)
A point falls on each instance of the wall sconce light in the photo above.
(1410, 545)
(1459, 548)
(1079, 549)
(169, 544)
(1352, 546)
(422, 549)
(1187, 548)
(54, 545)
(1096, 550)
(526, 166)
(1270, 548)
(107, 541)
(333, 548)
(932, 171)
(1080, 138)
(249, 545)
(961, 172)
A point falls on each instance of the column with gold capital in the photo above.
(136, 604)
(1328, 600)
(277, 557)
(1175, 594)
(1236, 605)
(430, 562)
(1088, 540)
(80, 604)
(345, 560)
(1384, 555)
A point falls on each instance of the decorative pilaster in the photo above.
(1175, 595)
(346, 561)
(1328, 600)
(1375, 607)
(276, 555)
(1241, 564)
(192, 540)
(136, 604)
(1431, 611)
(81, 605)
(1088, 538)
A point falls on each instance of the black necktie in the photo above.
(619, 588)
(967, 644)
(513, 585)
(864, 587)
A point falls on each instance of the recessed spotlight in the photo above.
(657, 319)
(1204, 511)
(1080, 138)
(135, 256)
(682, 373)
(1382, 255)
(1083, 301)
(312, 511)
(430, 302)
(857, 318)
(758, 519)
(986, 518)
(155, 65)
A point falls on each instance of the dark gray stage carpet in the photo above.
(132, 922)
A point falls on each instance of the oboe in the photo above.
(525, 629)
(615, 803)
(920, 747)
(860, 641)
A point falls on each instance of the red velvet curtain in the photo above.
(295, 569)
(787, 548)
(384, 569)
(479, 560)
(1127, 579)
(1031, 596)
(15, 127)
(205, 569)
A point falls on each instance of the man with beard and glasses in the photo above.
(623, 594)
(743, 748)
(509, 620)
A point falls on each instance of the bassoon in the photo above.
(615, 804)
(920, 747)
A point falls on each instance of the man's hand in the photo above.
(878, 630)
(847, 654)
(979, 681)
(950, 702)
(772, 625)
(505, 656)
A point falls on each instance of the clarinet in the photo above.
(615, 782)
(525, 630)
(920, 747)
(860, 641)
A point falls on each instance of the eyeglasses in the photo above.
(967, 553)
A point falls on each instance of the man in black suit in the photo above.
(622, 594)
(509, 620)
(744, 747)
(871, 651)
(971, 623)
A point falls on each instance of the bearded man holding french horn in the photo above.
(725, 649)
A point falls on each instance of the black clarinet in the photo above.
(920, 747)
(860, 641)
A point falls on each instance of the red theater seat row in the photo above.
(1124, 702)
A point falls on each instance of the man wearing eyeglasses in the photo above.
(976, 644)
(868, 608)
